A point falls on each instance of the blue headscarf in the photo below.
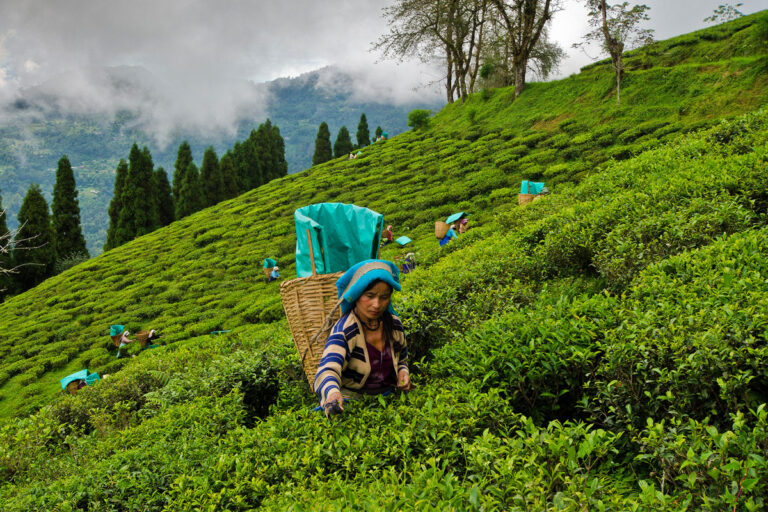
(353, 283)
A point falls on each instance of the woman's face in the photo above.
(374, 301)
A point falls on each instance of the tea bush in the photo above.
(600, 348)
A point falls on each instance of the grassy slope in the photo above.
(521, 274)
(204, 273)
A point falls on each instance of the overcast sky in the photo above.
(202, 53)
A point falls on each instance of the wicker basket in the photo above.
(308, 302)
(441, 228)
(525, 198)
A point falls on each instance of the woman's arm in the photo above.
(333, 361)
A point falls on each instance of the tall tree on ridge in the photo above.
(525, 21)
(165, 208)
(210, 178)
(67, 232)
(191, 194)
(279, 165)
(143, 195)
(263, 148)
(6, 261)
(229, 175)
(323, 151)
(115, 235)
(35, 262)
(183, 158)
(378, 132)
(343, 144)
(616, 29)
(363, 133)
(452, 29)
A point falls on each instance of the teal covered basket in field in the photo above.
(456, 216)
(403, 241)
(341, 235)
(92, 379)
(81, 375)
(531, 187)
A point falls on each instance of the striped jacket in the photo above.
(345, 362)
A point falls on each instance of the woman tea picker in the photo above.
(366, 351)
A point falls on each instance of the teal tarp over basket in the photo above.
(269, 263)
(455, 217)
(531, 187)
(342, 235)
(403, 240)
(81, 375)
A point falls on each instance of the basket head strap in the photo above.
(374, 265)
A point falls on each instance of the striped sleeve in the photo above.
(400, 345)
(334, 360)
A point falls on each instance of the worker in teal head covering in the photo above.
(366, 351)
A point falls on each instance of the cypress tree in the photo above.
(322, 145)
(6, 262)
(211, 179)
(126, 219)
(264, 150)
(143, 198)
(115, 237)
(34, 252)
(190, 195)
(378, 133)
(343, 144)
(229, 175)
(363, 133)
(183, 159)
(165, 209)
(279, 164)
(252, 165)
(68, 235)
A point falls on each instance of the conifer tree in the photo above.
(378, 132)
(253, 173)
(280, 166)
(232, 186)
(183, 159)
(323, 151)
(143, 199)
(191, 195)
(343, 144)
(68, 234)
(363, 133)
(263, 146)
(126, 217)
(116, 237)
(165, 209)
(36, 258)
(6, 261)
(211, 179)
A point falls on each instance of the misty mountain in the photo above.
(95, 121)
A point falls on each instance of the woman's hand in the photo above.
(334, 404)
(404, 380)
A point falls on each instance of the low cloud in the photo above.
(188, 64)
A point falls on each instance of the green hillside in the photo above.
(603, 348)
(34, 135)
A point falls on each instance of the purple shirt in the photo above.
(382, 368)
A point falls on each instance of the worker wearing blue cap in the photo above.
(366, 351)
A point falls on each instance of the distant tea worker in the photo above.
(387, 236)
(119, 337)
(274, 275)
(449, 235)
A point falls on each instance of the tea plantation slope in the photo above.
(542, 391)
(203, 273)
